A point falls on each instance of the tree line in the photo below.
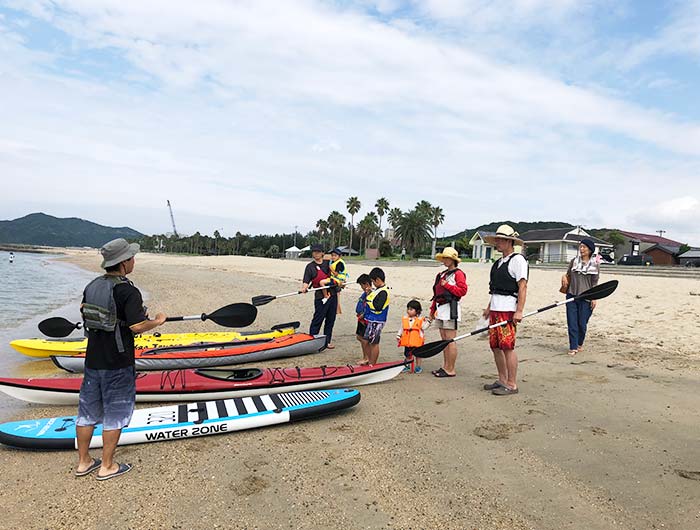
(413, 229)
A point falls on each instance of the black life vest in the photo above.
(501, 280)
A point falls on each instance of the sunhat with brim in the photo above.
(448, 252)
(116, 251)
(504, 232)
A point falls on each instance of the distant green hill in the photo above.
(520, 226)
(42, 229)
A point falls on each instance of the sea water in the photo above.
(33, 287)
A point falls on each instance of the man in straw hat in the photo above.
(113, 312)
(508, 289)
(449, 287)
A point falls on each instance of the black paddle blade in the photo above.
(234, 316)
(599, 291)
(430, 349)
(57, 327)
(262, 299)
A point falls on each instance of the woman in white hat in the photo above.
(449, 287)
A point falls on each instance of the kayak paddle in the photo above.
(266, 298)
(594, 293)
(237, 315)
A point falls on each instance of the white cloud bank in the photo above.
(254, 100)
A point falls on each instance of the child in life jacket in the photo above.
(339, 275)
(412, 334)
(360, 308)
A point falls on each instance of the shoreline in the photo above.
(595, 441)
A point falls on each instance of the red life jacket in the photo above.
(440, 294)
(320, 275)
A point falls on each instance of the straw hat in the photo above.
(116, 251)
(448, 252)
(504, 232)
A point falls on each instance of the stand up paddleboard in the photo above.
(186, 420)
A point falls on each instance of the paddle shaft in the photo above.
(504, 322)
(302, 292)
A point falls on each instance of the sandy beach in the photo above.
(606, 439)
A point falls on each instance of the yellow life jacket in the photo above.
(340, 277)
(377, 315)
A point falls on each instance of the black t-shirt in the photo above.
(310, 274)
(102, 351)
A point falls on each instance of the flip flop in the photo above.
(443, 373)
(504, 391)
(123, 468)
(96, 463)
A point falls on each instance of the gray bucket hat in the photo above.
(116, 251)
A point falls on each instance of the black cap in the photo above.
(589, 243)
(316, 248)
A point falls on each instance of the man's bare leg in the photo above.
(84, 435)
(511, 360)
(500, 360)
(109, 444)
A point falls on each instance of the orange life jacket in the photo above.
(412, 335)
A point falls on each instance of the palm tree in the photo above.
(353, 206)
(425, 208)
(367, 228)
(336, 221)
(322, 227)
(414, 229)
(382, 206)
(394, 217)
(437, 217)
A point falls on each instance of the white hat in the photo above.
(504, 232)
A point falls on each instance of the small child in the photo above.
(412, 334)
(339, 275)
(366, 285)
(376, 313)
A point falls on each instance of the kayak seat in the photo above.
(240, 374)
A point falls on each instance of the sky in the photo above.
(262, 116)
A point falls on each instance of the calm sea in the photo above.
(32, 288)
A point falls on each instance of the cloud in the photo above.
(215, 106)
(677, 216)
(680, 35)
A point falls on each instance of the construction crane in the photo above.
(172, 219)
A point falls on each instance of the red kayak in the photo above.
(209, 384)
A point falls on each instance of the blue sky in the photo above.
(258, 116)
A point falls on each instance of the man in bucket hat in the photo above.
(508, 289)
(113, 312)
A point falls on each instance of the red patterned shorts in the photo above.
(502, 337)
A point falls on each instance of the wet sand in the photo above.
(607, 439)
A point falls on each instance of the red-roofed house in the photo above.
(662, 250)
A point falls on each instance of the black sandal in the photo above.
(443, 373)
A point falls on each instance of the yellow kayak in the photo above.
(47, 347)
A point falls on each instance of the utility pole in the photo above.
(296, 227)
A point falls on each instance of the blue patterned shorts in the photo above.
(107, 397)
